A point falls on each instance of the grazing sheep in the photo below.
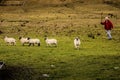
(34, 41)
(77, 43)
(51, 42)
(23, 40)
(10, 41)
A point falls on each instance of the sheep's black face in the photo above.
(20, 37)
(28, 38)
(1, 63)
(77, 39)
(45, 38)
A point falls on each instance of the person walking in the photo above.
(108, 27)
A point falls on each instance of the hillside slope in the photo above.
(70, 19)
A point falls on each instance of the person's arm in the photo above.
(111, 24)
(102, 23)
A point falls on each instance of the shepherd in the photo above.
(108, 27)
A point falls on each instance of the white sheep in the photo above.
(34, 41)
(10, 41)
(51, 42)
(77, 43)
(23, 40)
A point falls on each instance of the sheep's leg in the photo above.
(50, 45)
(29, 44)
(13, 43)
(55, 44)
(7, 43)
(76, 47)
(33, 44)
(79, 47)
(47, 44)
(38, 44)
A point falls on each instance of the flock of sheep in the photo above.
(30, 41)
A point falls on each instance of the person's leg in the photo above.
(109, 34)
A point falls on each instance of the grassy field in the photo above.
(97, 59)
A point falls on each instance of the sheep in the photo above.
(77, 43)
(34, 41)
(23, 40)
(51, 42)
(10, 41)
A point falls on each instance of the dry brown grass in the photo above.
(59, 20)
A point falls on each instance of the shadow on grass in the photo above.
(16, 73)
(93, 67)
(22, 73)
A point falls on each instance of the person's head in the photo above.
(107, 18)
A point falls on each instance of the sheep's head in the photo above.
(28, 38)
(5, 36)
(45, 38)
(20, 38)
(77, 38)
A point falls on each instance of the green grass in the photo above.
(96, 59)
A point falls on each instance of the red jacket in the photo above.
(107, 24)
